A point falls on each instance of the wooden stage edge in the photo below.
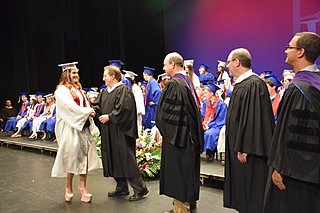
(44, 147)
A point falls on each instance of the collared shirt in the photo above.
(183, 72)
(311, 68)
(245, 75)
(114, 86)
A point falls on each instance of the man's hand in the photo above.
(104, 118)
(277, 179)
(242, 157)
(151, 103)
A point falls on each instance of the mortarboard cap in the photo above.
(288, 76)
(50, 95)
(222, 64)
(220, 82)
(94, 89)
(23, 94)
(186, 62)
(286, 72)
(68, 66)
(39, 94)
(267, 72)
(86, 89)
(144, 83)
(163, 76)
(117, 63)
(103, 86)
(148, 70)
(204, 66)
(212, 87)
(92, 94)
(274, 79)
(33, 97)
(129, 74)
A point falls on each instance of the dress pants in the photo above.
(137, 183)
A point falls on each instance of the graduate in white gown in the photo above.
(76, 152)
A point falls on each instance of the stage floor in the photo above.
(26, 186)
(212, 169)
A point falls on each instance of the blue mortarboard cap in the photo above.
(103, 86)
(117, 63)
(274, 79)
(38, 94)
(204, 66)
(220, 82)
(85, 89)
(148, 70)
(267, 72)
(144, 83)
(212, 86)
(24, 94)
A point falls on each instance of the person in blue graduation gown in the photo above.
(151, 99)
(214, 112)
(205, 76)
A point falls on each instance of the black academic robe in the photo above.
(249, 128)
(118, 136)
(179, 122)
(295, 151)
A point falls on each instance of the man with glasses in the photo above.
(249, 128)
(295, 150)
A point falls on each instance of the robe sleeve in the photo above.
(169, 115)
(295, 146)
(155, 92)
(68, 110)
(205, 78)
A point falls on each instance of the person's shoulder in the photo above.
(252, 80)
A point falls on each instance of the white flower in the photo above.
(148, 156)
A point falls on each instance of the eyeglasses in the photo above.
(230, 61)
(292, 47)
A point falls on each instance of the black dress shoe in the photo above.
(139, 196)
(118, 193)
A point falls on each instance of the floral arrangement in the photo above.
(148, 152)
(97, 140)
(148, 155)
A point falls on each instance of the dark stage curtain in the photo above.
(37, 35)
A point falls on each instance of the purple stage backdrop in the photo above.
(207, 30)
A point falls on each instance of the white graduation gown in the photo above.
(76, 151)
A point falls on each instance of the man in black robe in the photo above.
(179, 122)
(116, 109)
(249, 128)
(7, 113)
(295, 150)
